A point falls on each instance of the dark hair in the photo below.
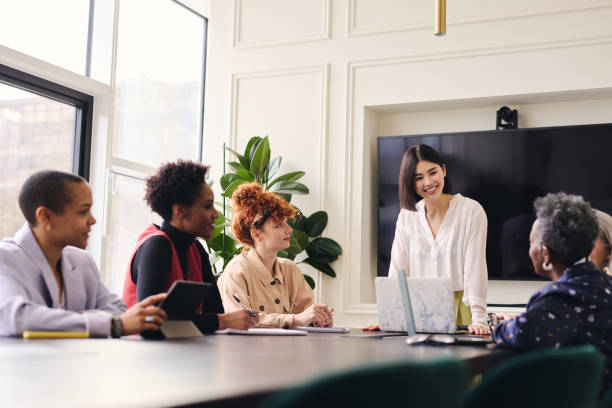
(567, 226)
(46, 188)
(407, 195)
(174, 183)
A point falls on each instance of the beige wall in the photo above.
(324, 78)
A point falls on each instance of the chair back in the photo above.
(561, 378)
(439, 383)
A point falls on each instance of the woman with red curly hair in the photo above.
(258, 279)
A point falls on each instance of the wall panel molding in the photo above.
(354, 31)
(239, 43)
(323, 72)
(355, 140)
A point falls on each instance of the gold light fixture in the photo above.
(440, 24)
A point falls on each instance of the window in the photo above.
(158, 115)
(42, 126)
(61, 32)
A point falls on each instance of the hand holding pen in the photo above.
(241, 319)
(251, 311)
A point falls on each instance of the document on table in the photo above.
(323, 329)
(261, 331)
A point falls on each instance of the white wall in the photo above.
(324, 78)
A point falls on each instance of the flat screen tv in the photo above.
(504, 170)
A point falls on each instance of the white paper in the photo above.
(323, 329)
(261, 331)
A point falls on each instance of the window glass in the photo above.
(159, 76)
(129, 216)
(35, 133)
(53, 31)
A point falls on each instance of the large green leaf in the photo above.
(323, 267)
(232, 187)
(289, 187)
(251, 142)
(235, 166)
(253, 149)
(245, 175)
(261, 158)
(217, 244)
(220, 228)
(298, 221)
(244, 161)
(324, 250)
(227, 179)
(295, 247)
(286, 197)
(293, 176)
(274, 166)
(301, 237)
(309, 280)
(316, 223)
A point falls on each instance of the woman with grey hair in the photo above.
(601, 253)
(576, 308)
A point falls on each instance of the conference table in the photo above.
(211, 371)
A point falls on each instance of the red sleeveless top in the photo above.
(194, 263)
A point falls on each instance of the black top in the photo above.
(151, 267)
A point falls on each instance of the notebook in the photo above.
(414, 305)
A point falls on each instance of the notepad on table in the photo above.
(261, 331)
(55, 335)
(315, 329)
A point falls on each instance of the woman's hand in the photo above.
(479, 329)
(318, 313)
(240, 320)
(506, 316)
(144, 315)
(372, 327)
(330, 322)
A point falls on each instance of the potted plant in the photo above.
(255, 165)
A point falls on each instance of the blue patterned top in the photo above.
(577, 309)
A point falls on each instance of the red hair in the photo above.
(252, 207)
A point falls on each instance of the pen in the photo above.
(251, 312)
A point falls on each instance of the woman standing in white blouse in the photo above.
(441, 235)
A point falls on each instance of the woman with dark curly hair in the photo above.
(576, 308)
(257, 278)
(164, 254)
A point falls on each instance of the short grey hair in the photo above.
(605, 234)
(567, 226)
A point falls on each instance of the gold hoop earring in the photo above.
(48, 228)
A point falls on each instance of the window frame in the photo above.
(83, 104)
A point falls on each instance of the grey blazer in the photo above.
(29, 293)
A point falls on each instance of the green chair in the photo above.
(440, 383)
(606, 401)
(561, 378)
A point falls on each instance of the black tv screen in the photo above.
(504, 170)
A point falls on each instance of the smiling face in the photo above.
(199, 218)
(73, 224)
(429, 179)
(273, 235)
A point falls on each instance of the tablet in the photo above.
(184, 298)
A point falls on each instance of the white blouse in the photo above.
(458, 251)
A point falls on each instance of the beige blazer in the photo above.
(276, 296)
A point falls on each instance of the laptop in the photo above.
(412, 305)
(420, 305)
